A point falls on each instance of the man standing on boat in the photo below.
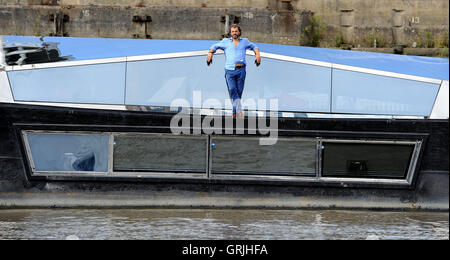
(235, 48)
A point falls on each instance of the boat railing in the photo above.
(299, 85)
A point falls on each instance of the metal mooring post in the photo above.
(59, 19)
(144, 20)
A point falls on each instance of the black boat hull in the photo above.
(19, 187)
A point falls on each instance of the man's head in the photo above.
(235, 31)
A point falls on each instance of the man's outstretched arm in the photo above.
(218, 46)
(210, 56)
(257, 56)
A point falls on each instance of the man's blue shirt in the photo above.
(234, 54)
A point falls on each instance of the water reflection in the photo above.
(220, 224)
(17, 53)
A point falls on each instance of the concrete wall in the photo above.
(392, 21)
(150, 3)
(260, 25)
(356, 22)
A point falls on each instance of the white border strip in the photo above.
(75, 105)
(108, 60)
(441, 105)
(293, 59)
(5, 89)
(65, 64)
(386, 74)
(170, 55)
(205, 52)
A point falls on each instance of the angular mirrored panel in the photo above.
(356, 92)
(240, 155)
(297, 87)
(366, 160)
(161, 82)
(68, 152)
(160, 153)
(94, 84)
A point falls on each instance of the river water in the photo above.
(228, 224)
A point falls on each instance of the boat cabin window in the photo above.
(366, 160)
(159, 153)
(244, 155)
(220, 157)
(68, 152)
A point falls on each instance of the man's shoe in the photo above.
(241, 115)
(234, 115)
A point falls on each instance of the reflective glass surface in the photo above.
(188, 82)
(297, 87)
(159, 153)
(366, 160)
(246, 156)
(356, 92)
(160, 82)
(69, 152)
(96, 84)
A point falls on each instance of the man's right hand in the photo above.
(209, 59)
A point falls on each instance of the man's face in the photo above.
(235, 33)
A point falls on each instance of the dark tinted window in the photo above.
(366, 160)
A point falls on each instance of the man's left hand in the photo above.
(258, 60)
